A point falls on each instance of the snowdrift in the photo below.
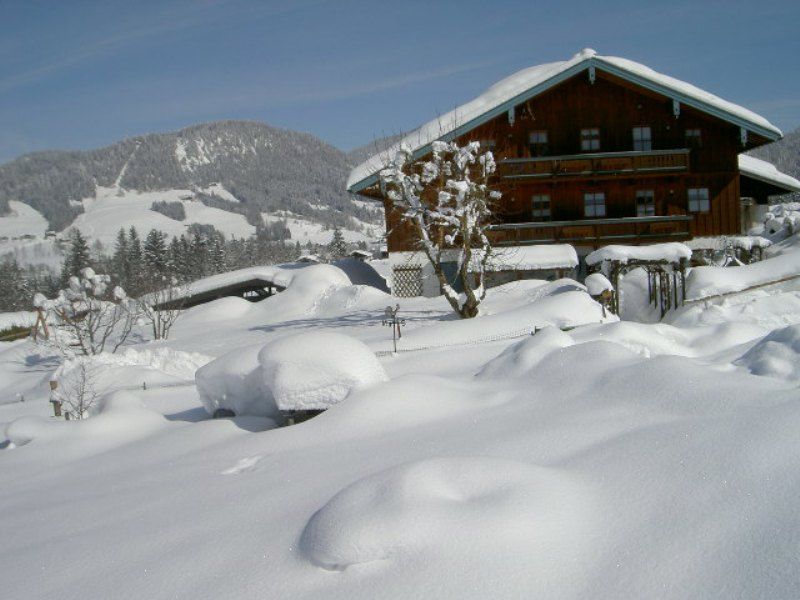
(711, 281)
(777, 355)
(474, 505)
(315, 370)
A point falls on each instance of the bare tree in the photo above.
(85, 317)
(162, 307)
(448, 202)
(77, 388)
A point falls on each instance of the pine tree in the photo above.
(217, 253)
(154, 254)
(199, 256)
(135, 266)
(77, 257)
(15, 291)
(337, 247)
(121, 267)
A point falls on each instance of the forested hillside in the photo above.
(263, 167)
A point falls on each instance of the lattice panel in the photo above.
(407, 281)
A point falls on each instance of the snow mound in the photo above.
(234, 381)
(473, 505)
(520, 358)
(314, 370)
(777, 355)
(122, 418)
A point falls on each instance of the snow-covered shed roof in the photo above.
(530, 82)
(755, 168)
(532, 258)
(669, 252)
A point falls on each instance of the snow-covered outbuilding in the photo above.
(652, 160)
(530, 262)
(665, 265)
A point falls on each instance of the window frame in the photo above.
(642, 143)
(590, 139)
(693, 137)
(695, 200)
(542, 199)
(647, 200)
(539, 142)
(590, 201)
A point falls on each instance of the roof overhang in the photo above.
(589, 61)
(765, 172)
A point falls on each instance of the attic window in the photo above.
(694, 138)
(642, 139)
(537, 141)
(590, 139)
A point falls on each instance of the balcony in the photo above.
(596, 165)
(593, 232)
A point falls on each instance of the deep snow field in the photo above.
(596, 458)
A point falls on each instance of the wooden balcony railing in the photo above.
(593, 231)
(595, 164)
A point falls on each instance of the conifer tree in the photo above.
(134, 262)
(337, 247)
(154, 255)
(77, 257)
(121, 259)
(15, 292)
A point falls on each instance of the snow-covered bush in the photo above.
(447, 201)
(314, 370)
(782, 220)
(86, 317)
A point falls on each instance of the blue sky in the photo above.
(85, 74)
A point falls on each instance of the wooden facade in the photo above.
(578, 139)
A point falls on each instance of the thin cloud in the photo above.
(168, 22)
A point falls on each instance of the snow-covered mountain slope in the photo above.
(243, 168)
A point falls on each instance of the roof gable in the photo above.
(528, 83)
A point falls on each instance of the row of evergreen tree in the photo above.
(143, 265)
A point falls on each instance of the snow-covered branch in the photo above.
(448, 201)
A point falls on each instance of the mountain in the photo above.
(784, 154)
(242, 167)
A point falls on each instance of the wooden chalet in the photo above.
(598, 150)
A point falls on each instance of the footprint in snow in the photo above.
(243, 466)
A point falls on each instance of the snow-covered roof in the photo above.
(532, 258)
(755, 168)
(670, 252)
(527, 83)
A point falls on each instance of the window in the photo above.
(537, 141)
(642, 138)
(540, 207)
(590, 139)
(694, 138)
(645, 203)
(487, 145)
(594, 204)
(698, 200)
